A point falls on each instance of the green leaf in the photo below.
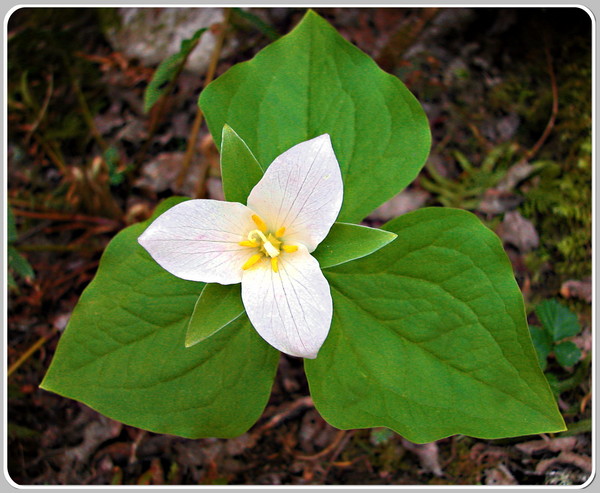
(346, 242)
(240, 170)
(18, 263)
(557, 319)
(542, 342)
(310, 82)
(217, 307)
(123, 352)
(261, 25)
(567, 353)
(11, 229)
(12, 283)
(429, 338)
(168, 69)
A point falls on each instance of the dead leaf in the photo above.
(160, 174)
(497, 201)
(314, 432)
(499, 476)
(516, 173)
(582, 462)
(94, 434)
(406, 201)
(236, 446)
(577, 289)
(428, 455)
(518, 231)
(561, 444)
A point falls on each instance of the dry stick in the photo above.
(552, 120)
(43, 110)
(87, 114)
(52, 154)
(278, 418)
(210, 73)
(342, 444)
(32, 349)
(336, 441)
(57, 216)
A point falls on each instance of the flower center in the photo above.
(269, 245)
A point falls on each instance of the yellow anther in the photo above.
(251, 261)
(248, 243)
(280, 232)
(290, 248)
(274, 265)
(259, 223)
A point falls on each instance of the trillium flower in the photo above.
(265, 245)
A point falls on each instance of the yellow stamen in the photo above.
(290, 248)
(259, 223)
(280, 232)
(274, 265)
(248, 243)
(251, 261)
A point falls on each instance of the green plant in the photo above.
(558, 324)
(16, 262)
(468, 188)
(419, 327)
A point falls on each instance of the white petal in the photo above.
(198, 240)
(302, 190)
(290, 309)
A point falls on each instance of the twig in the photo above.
(330, 448)
(550, 125)
(278, 418)
(43, 110)
(57, 216)
(210, 73)
(584, 402)
(52, 154)
(56, 248)
(85, 111)
(338, 451)
(32, 349)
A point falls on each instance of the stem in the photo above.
(210, 73)
(32, 349)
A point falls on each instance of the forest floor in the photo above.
(508, 96)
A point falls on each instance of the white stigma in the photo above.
(268, 246)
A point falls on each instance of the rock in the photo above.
(152, 34)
